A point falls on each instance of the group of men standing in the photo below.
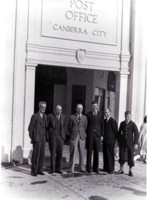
(85, 131)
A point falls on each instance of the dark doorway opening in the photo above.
(78, 96)
(45, 79)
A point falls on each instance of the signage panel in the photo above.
(93, 21)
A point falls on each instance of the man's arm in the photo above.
(136, 133)
(69, 125)
(49, 126)
(31, 126)
(102, 125)
(86, 123)
(119, 133)
(115, 128)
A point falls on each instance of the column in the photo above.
(122, 77)
(121, 96)
(137, 96)
(29, 106)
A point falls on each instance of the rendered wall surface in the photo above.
(37, 36)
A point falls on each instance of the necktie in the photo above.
(58, 117)
(79, 118)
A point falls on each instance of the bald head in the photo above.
(58, 110)
(79, 109)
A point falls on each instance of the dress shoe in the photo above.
(69, 172)
(33, 174)
(41, 173)
(89, 171)
(130, 173)
(82, 171)
(111, 172)
(59, 172)
(104, 170)
(96, 171)
(120, 172)
(51, 172)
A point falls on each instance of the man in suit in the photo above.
(56, 135)
(94, 133)
(127, 139)
(109, 139)
(77, 128)
(37, 132)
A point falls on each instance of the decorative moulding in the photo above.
(48, 55)
(80, 55)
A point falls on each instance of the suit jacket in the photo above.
(110, 131)
(128, 133)
(52, 125)
(76, 127)
(37, 127)
(98, 124)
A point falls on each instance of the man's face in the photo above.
(79, 109)
(94, 107)
(128, 117)
(42, 108)
(58, 110)
(107, 113)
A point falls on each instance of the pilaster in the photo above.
(29, 105)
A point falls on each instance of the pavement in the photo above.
(17, 183)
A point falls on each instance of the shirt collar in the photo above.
(128, 122)
(94, 113)
(107, 118)
(41, 114)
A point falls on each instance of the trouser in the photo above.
(38, 155)
(108, 156)
(74, 144)
(93, 146)
(56, 150)
(130, 151)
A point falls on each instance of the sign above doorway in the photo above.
(93, 21)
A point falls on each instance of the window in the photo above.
(100, 98)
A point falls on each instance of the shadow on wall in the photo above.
(4, 156)
(17, 155)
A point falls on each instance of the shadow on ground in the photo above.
(96, 198)
(136, 192)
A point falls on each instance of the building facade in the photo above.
(70, 51)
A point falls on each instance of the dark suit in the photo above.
(109, 139)
(56, 135)
(127, 136)
(77, 129)
(37, 132)
(94, 133)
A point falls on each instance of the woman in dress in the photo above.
(143, 140)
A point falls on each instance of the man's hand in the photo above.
(117, 143)
(135, 146)
(101, 138)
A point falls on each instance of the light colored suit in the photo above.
(77, 129)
